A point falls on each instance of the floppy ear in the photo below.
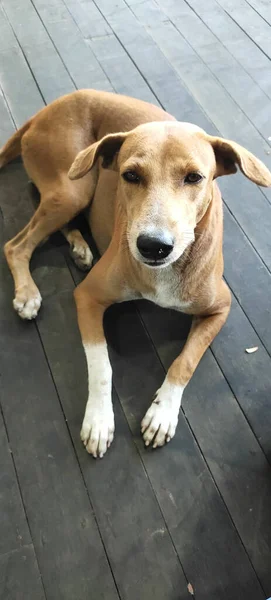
(229, 154)
(107, 147)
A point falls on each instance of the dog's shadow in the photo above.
(133, 326)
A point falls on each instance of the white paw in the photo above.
(82, 256)
(98, 430)
(159, 425)
(27, 305)
(161, 419)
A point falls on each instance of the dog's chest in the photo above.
(167, 292)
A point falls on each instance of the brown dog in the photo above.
(156, 217)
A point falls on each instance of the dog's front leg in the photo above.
(98, 424)
(160, 422)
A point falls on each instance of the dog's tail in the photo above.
(12, 148)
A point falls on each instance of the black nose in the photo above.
(154, 248)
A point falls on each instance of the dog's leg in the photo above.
(54, 211)
(79, 249)
(98, 425)
(160, 422)
(93, 296)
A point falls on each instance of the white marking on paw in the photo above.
(161, 419)
(27, 306)
(82, 256)
(98, 430)
(98, 426)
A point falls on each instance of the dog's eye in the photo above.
(193, 178)
(131, 176)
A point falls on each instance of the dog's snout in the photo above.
(154, 247)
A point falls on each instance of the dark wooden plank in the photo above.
(151, 62)
(251, 210)
(74, 51)
(232, 453)
(19, 576)
(248, 277)
(141, 552)
(196, 516)
(250, 21)
(46, 65)
(14, 528)
(69, 549)
(247, 374)
(123, 74)
(231, 36)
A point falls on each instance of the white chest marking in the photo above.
(166, 300)
(167, 291)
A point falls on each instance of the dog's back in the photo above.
(50, 140)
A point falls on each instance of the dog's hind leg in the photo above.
(56, 209)
(79, 249)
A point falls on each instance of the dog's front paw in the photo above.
(98, 430)
(161, 419)
(27, 303)
(159, 425)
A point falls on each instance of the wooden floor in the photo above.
(140, 524)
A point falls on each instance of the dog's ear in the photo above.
(228, 154)
(107, 148)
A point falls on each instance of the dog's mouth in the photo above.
(155, 263)
(158, 263)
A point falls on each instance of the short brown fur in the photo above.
(96, 137)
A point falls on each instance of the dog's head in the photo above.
(165, 172)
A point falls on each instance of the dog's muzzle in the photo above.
(154, 249)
